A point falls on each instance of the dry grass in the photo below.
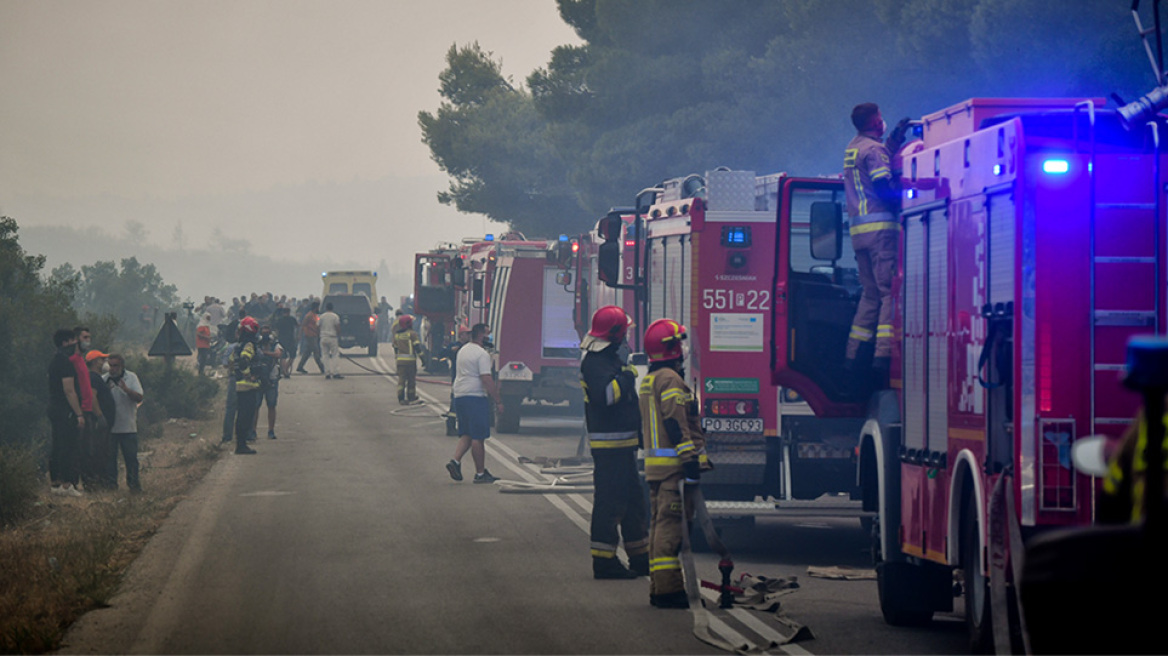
(69, 557)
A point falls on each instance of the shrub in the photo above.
(20, 479)
(171, 390)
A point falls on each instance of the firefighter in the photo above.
(674, 449)
(408, 347)
(247, 383)
(873, 196)
(1122, 499)
(613, 421)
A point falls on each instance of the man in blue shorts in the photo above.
(474, 388)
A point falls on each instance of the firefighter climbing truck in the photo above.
(1031, 249)
(518, 287)
(706, 258)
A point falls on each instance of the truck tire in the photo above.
(508, 420)
(976, 586)
(902, 598)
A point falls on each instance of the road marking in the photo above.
(266, 493)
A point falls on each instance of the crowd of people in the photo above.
(93, 415)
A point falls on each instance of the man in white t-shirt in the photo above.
(330, 341)
(127, 393)
(474, 387)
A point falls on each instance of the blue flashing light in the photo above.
(910, 193)
(997, 169)
(324, 274)
(1056, 166)
(489, 238)
(563, 237)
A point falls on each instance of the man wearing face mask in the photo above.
(873, 195)
(65, 415)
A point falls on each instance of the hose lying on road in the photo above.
(578, 482)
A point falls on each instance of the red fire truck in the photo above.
(519, 288)
(591, 293)
(707, 260)
(1031, 249)
(434, 296)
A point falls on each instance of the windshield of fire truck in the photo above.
(843, 269)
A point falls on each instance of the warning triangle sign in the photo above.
(169, 342)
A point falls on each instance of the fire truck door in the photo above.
(996, 362)
(926, 330)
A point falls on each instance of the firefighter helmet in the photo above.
(405, 322)
(610, 324)
(663, 340)
(249, 325)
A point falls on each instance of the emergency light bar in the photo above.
(1056, 166)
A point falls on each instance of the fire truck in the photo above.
(520, 289)
(434, 299)
(591, 293)
(706, 258)
(1031, 249)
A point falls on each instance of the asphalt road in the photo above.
(346, 535)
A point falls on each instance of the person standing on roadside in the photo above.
(408, 348)
(66, 417)
(203, 341)
(269, 355)
(612, 417)
(127, 392)
(96, 441)
(310, 328)
(474, 387)
(330, 341)
(288, 333)
(247, 384)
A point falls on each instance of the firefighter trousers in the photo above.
(665, 535)
(618, 505)
(876, 259)
(407, 380)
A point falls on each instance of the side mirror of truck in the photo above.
(826, 230)
(564, 278)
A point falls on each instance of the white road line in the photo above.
(509, 458)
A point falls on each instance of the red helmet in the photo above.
(610, 323)
(405, 322)
(663, 340)
(249, 325)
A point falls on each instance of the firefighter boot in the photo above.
(669, 600)
(610, 568)
(880, 367)
(639, 564)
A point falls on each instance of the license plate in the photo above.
(731, 425)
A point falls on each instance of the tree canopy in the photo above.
(663, 88)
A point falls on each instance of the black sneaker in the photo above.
(245, 450)
(455, 470)
(485, 477)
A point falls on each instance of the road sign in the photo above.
(169, 342)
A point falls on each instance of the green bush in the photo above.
(171, 391)
(20, 479)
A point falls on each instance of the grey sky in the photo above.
(109, 108)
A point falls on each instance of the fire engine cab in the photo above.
(1031, 249)
(434, 295)
(705, 257)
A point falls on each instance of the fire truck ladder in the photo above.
(1115, 317)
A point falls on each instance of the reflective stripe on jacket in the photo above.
(407, 345)
(665, 396)
(611, 413)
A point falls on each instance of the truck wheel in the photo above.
(373, 348)
(508, 420)
(902, 594)
(976, 586)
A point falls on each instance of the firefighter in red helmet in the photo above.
(408, 347)
(873, 194)
(675, 449)
(613, 422)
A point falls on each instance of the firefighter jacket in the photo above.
(671, 425)
(866, 160)
(1124, 488)
(407, 345)
(611, 412)
(242, 360)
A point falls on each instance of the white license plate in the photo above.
(731, 425)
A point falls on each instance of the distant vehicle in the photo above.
(358, 320)
(350, 282)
